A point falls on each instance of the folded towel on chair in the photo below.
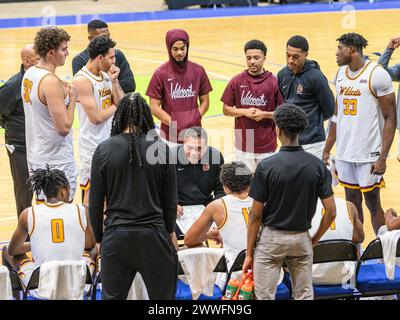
(5, 284)
(389, 241)
(198, 265)
(62, 280)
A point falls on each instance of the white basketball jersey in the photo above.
(90, 134)
(57, 232)
(359, 117)
(43, 143)
(341, 228)
(237, 217)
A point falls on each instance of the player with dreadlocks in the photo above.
(130, 172)
(363, 126)
(134, 120)
(58, 230)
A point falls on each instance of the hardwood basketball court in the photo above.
(217, 44)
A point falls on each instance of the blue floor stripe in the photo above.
(197, 13)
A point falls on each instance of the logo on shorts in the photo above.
(375, 154)
(206, 167)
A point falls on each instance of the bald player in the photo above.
(49, 105)
(12, 119)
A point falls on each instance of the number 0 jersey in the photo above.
(359, 117)
(90, 134)
(57, 232)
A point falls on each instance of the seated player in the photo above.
(230, 213)
(347, 226)
(58, 230)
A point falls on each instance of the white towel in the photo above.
(332, 168)
(5, 284)
(62, 280)
(198, 265)
(389, 245)
(138, 289)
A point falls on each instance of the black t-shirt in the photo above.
(137, 196)
(12, 116)
(198, 183)
(290, 183)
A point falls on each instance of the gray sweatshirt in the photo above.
(394, 72)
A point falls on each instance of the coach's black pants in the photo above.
(128, 250)
(19, 172)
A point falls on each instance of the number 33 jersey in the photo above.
(359, 116)
(57, 232)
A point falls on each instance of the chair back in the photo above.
(334, 251)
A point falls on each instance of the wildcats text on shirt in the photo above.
(180, 93)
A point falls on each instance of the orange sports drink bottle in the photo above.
(246, 291)
(231, 289)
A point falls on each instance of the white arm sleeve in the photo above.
(381, 83)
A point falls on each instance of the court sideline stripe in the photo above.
(198, 13)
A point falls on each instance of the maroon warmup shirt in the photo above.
(262, 92)
(178, 86)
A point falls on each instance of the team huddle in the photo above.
(136, 180)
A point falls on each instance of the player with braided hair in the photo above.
(141, 201)
(48, 181)
(138, 121)
(58, 230)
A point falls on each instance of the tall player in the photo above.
(363, 126)
(49, 105)
(58, 230)
(99, 93)
(251, 97)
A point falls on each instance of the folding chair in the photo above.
(371, 278)
(94, 287)
(16, 283)
(282, 291)
(183, 290)
(335, 251)
(34, 281)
